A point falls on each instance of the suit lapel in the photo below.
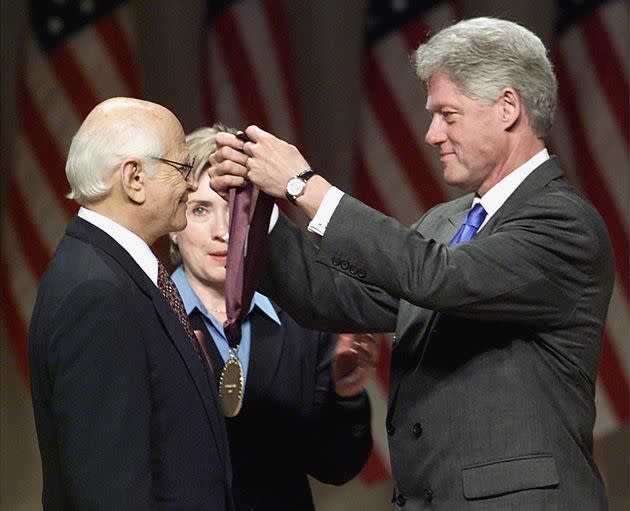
(538, 179)
(81, 229)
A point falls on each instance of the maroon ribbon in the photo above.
(243, 271)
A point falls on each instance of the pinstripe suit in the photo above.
(497, 340)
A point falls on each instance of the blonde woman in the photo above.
(291, 421)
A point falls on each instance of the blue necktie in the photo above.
(469, 228)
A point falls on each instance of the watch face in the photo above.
(295, 186)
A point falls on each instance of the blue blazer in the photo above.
(126, 415)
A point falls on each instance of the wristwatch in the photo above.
(296, 185)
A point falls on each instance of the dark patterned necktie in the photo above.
(469, 228)
(169, 290)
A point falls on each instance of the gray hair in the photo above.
(98, 149)
(201, 144)
(482, 56)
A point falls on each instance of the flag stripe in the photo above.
(594, 186)
(614, 380)
(41, 143)
(250, 39)
(22, 285)
(608, 71)
(16, 329)
(400, 134)
(391, 182)
(51, 99)
(597, 120)
(96, 62)
(220, 97)
(42, 205)
(402, 82)
(27, 237)
(606, 419)
(240, 71)
(77, 84)
(366, 190)
(615, 18)
(117, 38)
(618, 325)
(258, 42)
(276, 17)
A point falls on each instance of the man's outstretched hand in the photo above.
(355, 360)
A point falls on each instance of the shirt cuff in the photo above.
(273, 218)
(325, 211)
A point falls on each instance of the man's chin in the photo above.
(457, 181)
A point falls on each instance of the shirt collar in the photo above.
(494, 198)
(192, 301)
(132, 243)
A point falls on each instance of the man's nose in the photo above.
(435, 133)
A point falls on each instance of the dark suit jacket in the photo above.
(291, 423)
(497, 340)
(126, 416)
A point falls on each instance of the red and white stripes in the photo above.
(56, 91)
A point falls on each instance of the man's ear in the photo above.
(133, 180)
(510, 105)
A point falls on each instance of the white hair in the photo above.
(98, 149)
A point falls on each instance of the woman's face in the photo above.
(201, 243)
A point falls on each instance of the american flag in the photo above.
(247, 70)
(591, 137)
(74, 55)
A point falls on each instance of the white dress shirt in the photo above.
(491, 201)
(132, 243)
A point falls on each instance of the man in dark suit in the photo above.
(127, 416)
(498, 335)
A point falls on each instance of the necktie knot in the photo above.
(469, 228)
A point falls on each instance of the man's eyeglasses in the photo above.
(183, 168)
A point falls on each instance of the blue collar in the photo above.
(191, 300)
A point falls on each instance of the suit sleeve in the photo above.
(101, 399)
(319, 297)
(531, 269)
(339, 437)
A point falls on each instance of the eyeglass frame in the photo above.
(183, 168)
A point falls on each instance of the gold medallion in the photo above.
(231, 387)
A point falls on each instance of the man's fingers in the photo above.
(227, 154)
(224, 139)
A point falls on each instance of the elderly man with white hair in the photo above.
(126, 411)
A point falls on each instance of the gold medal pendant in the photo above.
(231, 387)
